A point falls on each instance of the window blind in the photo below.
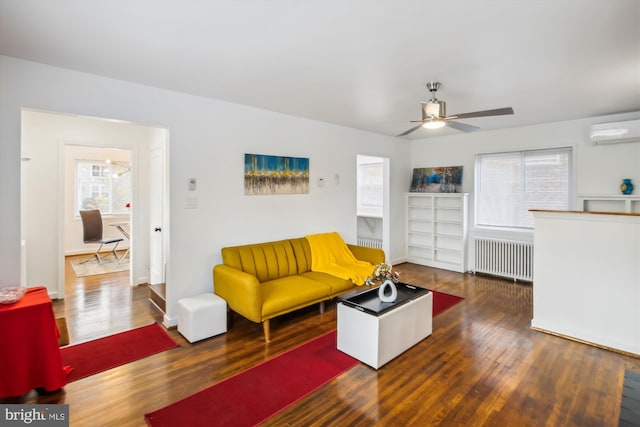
(371, 184)
(509, 184)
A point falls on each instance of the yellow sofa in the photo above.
(265, 280)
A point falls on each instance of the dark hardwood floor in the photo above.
(482, 365)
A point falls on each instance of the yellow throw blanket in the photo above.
(330, 254)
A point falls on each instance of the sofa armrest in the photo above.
(374, 255)
(241, 290)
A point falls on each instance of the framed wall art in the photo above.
(443, 179)
(265, 175)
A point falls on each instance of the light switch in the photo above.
(191, 203)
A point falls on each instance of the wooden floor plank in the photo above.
(483, 364)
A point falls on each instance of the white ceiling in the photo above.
(362, 64)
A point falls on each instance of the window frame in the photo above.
(101, 172)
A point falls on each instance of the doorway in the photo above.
(97, 178)
(45, 136)
(373, 201)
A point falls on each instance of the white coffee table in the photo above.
(374, 333)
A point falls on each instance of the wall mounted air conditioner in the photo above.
(615, 132)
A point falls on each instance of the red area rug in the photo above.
(99, 355)
(442, 302)
(254, 395)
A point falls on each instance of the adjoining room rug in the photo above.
(258, 393)
(92, 268)
(99, 355)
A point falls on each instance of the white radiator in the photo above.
(505, 258)
(370, 242)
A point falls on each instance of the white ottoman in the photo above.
(202, 316)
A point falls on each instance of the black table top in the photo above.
(369, 302)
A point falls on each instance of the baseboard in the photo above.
(628, 351)
(142, 280)
(169, 322)
(84, 251)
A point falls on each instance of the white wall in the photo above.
(591, 292)
(208, 140)
(597, 169)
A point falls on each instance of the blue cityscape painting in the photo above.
(444, 179)
(264, 175)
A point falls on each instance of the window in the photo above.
(102, 185)
(370, 187)
(509, 184)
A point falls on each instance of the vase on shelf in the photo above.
(626, 187)
(388, 292)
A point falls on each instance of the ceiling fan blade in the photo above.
(461, 126)
(485, 113)
(410, 130)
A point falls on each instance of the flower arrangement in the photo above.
(382, 273)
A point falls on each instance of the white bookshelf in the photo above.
(437, 230)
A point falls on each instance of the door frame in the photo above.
(386, 195)
(164, 197)
(386, 205)
(139, 272)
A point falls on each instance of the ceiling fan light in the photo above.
(434, 124)
(432, 109)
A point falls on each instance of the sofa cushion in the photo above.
(291, 292)
(302, 251)
(336, 284)
(265, 261)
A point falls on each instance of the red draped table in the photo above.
(30, 357)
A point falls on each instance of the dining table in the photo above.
(123, 227)
(31, 357)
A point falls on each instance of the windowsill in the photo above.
(503, 229)
(363, 211)
(364, 215)
(108, 216)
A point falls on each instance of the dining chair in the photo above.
(92, 232)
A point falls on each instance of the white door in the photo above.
(156, 206)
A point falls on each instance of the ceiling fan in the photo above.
(434, 114)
